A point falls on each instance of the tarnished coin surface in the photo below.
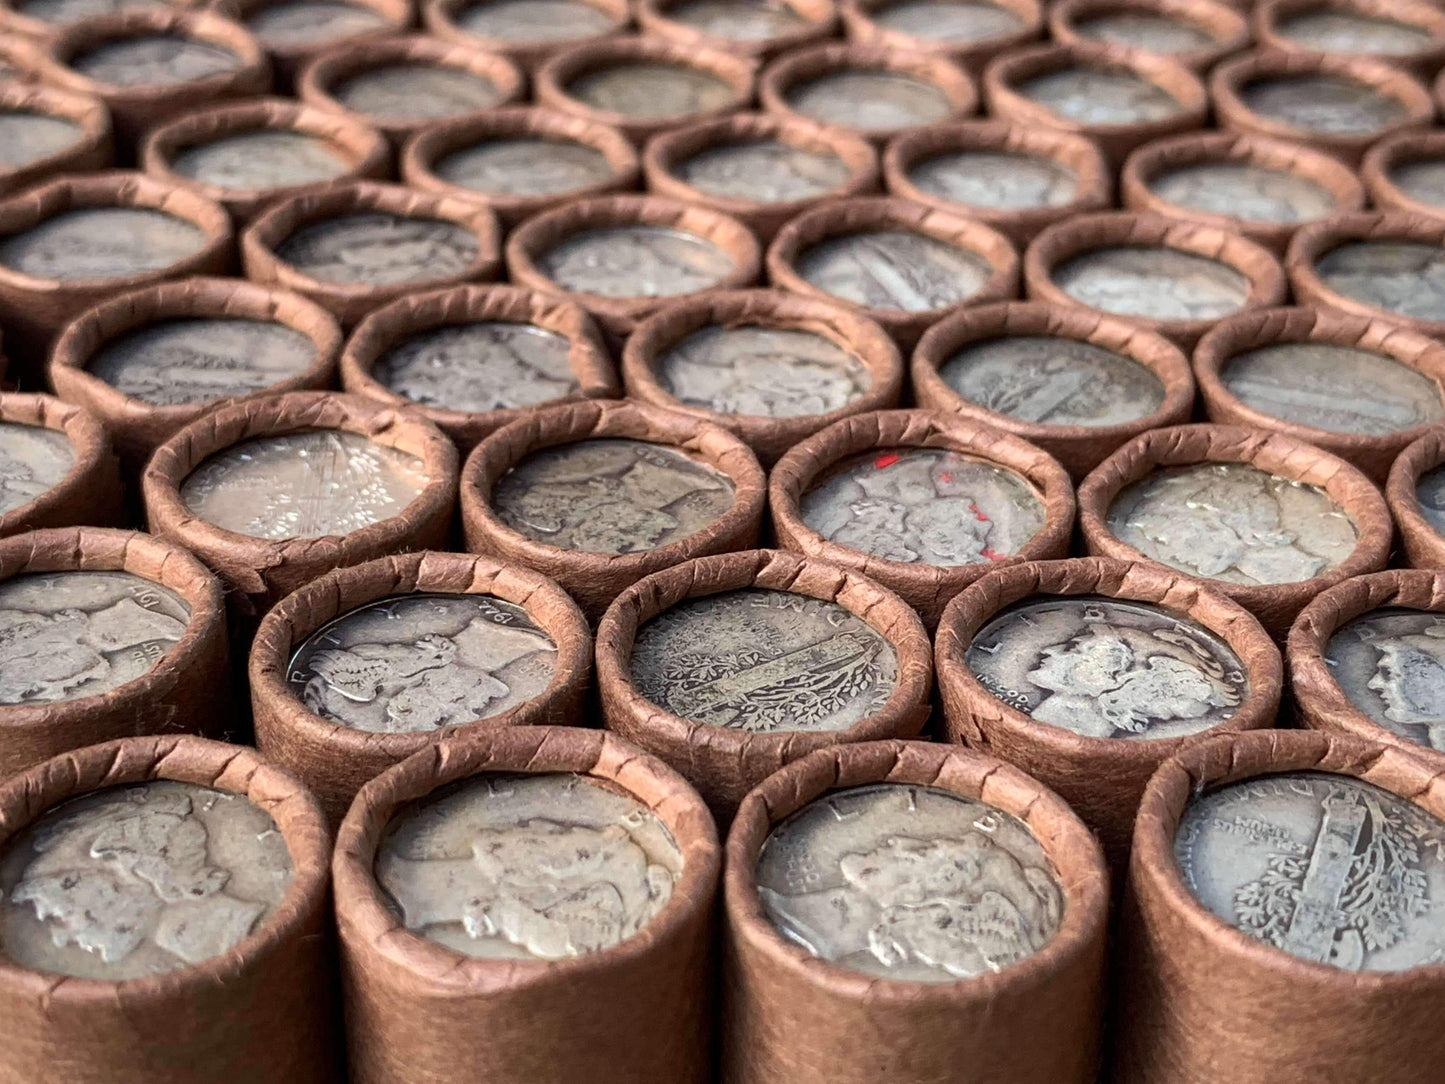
(1421, 179)
(1106, 668)
(996, 180)
(924, 505)
(611, 496)
(1404, 277)
(948, 20)
(302, 23)
(737, 20)
(1328, 104)
(910, 883)
(1155, 283)
(894, 269)
(303, 485)
(1053, 381)
(857, 98)
(1339, 388)
(764, 169)
(138, 880)
(101, 242)
(1390, 662)
(269, 158)
(506, 866)
(1321, 866)
(62, 13)
(1100, 96)
(32, 460)
(648, 90)
(479, 367)
(422, 662)
(1331, 30)
(1233, 522)
(534, 20)
(154, 59)
(636, 261)
(379, 249)
(414, 92)
(1145, 32)
(67, 635)
(524, 167)
(763, 661)
(30, 137)
(1239, 190)
(767, 371)
(1430, 491)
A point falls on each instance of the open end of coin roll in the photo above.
(528, 32)
(749, 28)
(968, 32)
(1403, 33)
(294, 32)
(41, 20)
(1406, 172)
(1195, 33)
(1416, 494)
(46, 131)
(56, 466)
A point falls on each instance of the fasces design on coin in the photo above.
(1106, 668)
(140, 880)
(636, 261)
(1002, 181)
(1097, 96)
(421, 662)
(270, 158)
(1233, 522)
(67, 635)
(1324, 867)
(102, 242)
(650, 91)
(311, 23)
(524, 167)
(488, 365)
(737, 20)
(763, 661)
(1404, 277)
(32, 460)
(611, 496)
(1149, 33)
(909, 883)
(948, 20)
(893, 269)
(763, 169)
(379, 249)
(1155, 283)
(416, 92)
(534, 20)
(155, 60)
(1430, 492)
(924, 505)
(1346, 32)
(29, 137)
(875, 100)
(1244, 191)
(1326, 104)
(548, 866)
(1390, 662)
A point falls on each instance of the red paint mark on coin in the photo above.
(994, 555)
(886, 460)
(975, 510)
(946, 477)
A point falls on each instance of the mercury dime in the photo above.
(303, 485)
(1233, 522)
(738, 20)
(765, 169)
(1154, 283)
(1053, 381)
(875, 100)
(534, 20)
(1240, 190)
(1421, 179)
(1345, 32)
(996, 180)
(894, 269)
(1100, 96)
(1390, 662)
(26, 138)
(949, 20)
(415, 92)
(379, 249)
(504, 866)
(763, 661)
(32, 460)
(133, 881)
(63, 13)
(68, 635)
(268, 158)
(1430, 491)
(480, 367)
(1404, 277)
(611, 496)
(101, 242)
(1321, 866)
(1149, 33)
(636, 261)
(525, 167)
(154, 59)
(648, 90)
(910, 883)
(312, 23)
(1328, 104)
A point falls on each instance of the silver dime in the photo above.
(63, 13)
(505, 866)
(525, 167)
(1053, 381)
(648, 90)
(67, 635)
(303, 485)
(1108, 669)
(1390, 662)
(403, 93)
(1404, 277)
(1327, 104)
(379, 249)
(1233, 522)
(924, 505)
(763, 661)
(636, 261)
(949, 20)
(1240, 190)
(996, 180)
(1430, 491)
(1421, 179)
(30, 137)
(1146, 32)
(1099, 96)
(875, 100)
(1154, 283)
(894, 269)
(1334, 31)
(32, 460)
(1323, 867)
(269, 158)
(480, 367)
(312, 23)
(763, 371)
(534, 20)
(910, 883)
(764, 169)
(611, 496)
(155, 60)
(138, 880)
(101, 242)
(738, 20)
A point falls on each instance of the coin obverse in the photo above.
(32, 460)
(379, 249)
(737, 20)
(893, 269)
(1326, 104)
(525, 167)
(873, 100)
(1324, 867)
(269, 158)
(311, 23)
(155, 60)
(1154, 283)
(1096, 96)
(909, 883)
(519, 867)
(101, 242)
(1390, 663)
(26, 138)
(138, 880)
(996, 180)
(480, 367)
(636, 261)
(402, 93)
(1404, 277)
(1148, 33)
(1430, 492)
(763, 661)
(1421, 179)
(949, 20)
(649, 90)
(63, 13)
(1243, 191)
(767, 170)
(1336, 31)
(523, 21)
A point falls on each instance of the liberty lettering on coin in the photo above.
(1421, 179)
(1324, 867)
(1145, 32)
(534, 20)
(480, 366)
(949, 20)
(154, 60)
(909, 883)
(64, 13)
(636, 261)
(647, 90)
(1404, 277)
(764, 169)
(874, 100)
(1106, 668)
(893, 269)
(138, 880)
(763, 661)
(27, 137)
(267, 158)
(1101, 96)
(403, 93)
(1390, 663)
(1327, 104)
(924, 505)
(1430, 492)
(738, 20)
(1243, 191)
(379, 249)
(1233, 522)
(525, 167)
(1154, 283)
(1335, 31)
(101, 242)
(504, 866)
(32, 460)
(421, 662)
(311, 23)
(997, 180)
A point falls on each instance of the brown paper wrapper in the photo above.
(187, 690)
(335, 761)
(260, 1013)
(139, 427)
(22, 60)
(1424, 546)
(90, 493)
(1088, 233)
(388, 327)
(863, 214)
(288, 59)
(1228, 30)
(1190, 973)
(91, 151)
(424, 150)
(595, 579)
(1424, 61)
(1381, 161)
(763, 217)
(1250, 331)
(350, 301)
(820, 20)
(767, 436)
(258, 572)
(1276, 605)
(790, 1016)
(1080, 448)
(722, 763)
(858, 20)
(440, 19)
(637, 1013)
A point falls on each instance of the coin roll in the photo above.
(776, 628)
(968, 34)
(792, 1016)
(294, 32)
(1189, 970)
(756, 32)
(1409, 35)
(768, 366)
(261, 1010)
(57, 468)
(418, 1007)
(1022, 367)
(528, 39)
(924, 503)
(1264, 519)
(1402, 173)
(34, 22)
(602, 493)
(1195, 33)
(1415, 490)
(48, 132)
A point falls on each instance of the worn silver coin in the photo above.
(1430, 491)
(26, 138)
(1335, 31)
(1404, 277)
(33, 459)
(737, 20)
(647, 90)
(505, 866)
(379, 249)
(268, 158)
(909, 883)
(525, 167)
(894, 269)
(765, 169)
(1421, 179)
(1390, 662)
(312, 23)
(480, 367)
(996, 180)
(63, 13)
(534, 20)
(874, 100)
(763, 661)
(1145, 32)
(949, 20)
(1243, 191)
(100, 243)
(154, 60)
(1100, 96)
(403, 93)
(1327, 104)
(1155, 283)
(636, 261)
